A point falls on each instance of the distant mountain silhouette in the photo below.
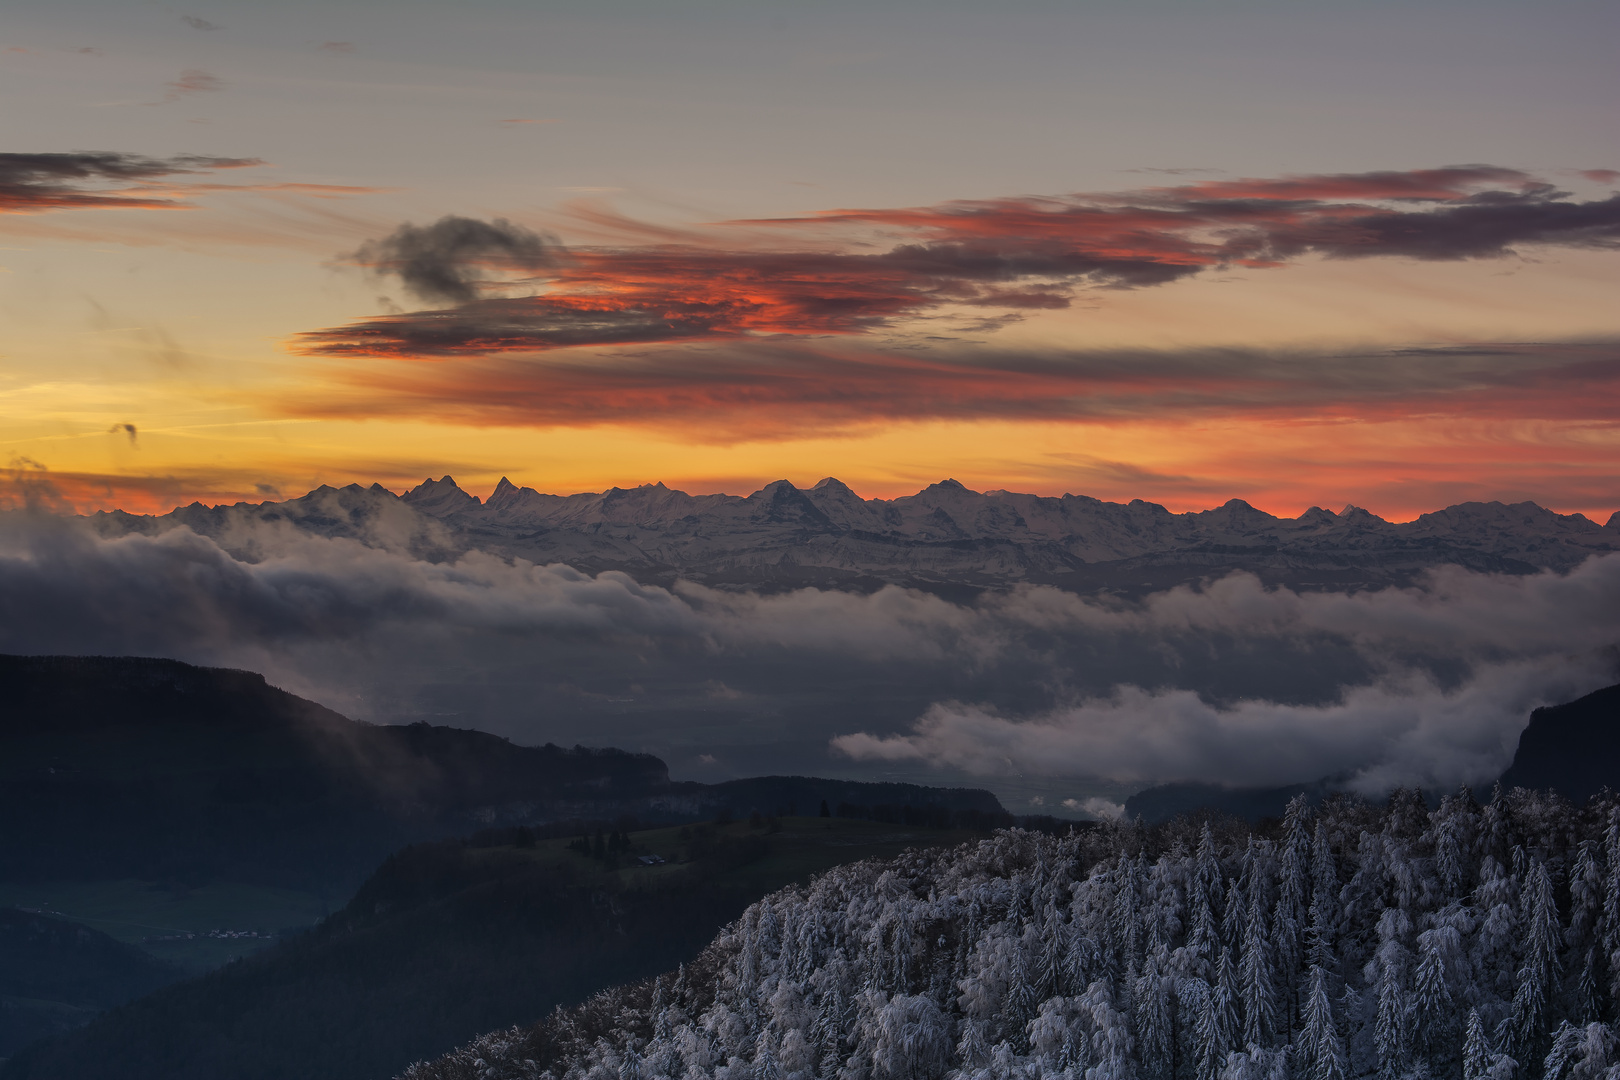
(122, 767)
(945, 535)
(1574, 748)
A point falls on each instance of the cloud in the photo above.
(1518, 643)
(31, 183)
(1232, 681)
(849, 272)
(191, 81)
(344, 47)
(749, 390)
(446, 261)
(198, 23)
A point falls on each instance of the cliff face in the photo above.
(1572, 748)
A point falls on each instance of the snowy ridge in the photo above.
(828, 535)
(1472, 942)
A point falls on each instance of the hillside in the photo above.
(56, 975)
(450, 939)
(156, 770)
(1352, 942)
(943, 535)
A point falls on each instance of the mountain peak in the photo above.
(440, 496)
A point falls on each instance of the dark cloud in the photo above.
(90, 180)
(1232, 681)
(198, 23)
(447, 260)
(1024, 253)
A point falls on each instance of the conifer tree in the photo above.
(1259, 987)
(1320, 1051)
(1392, 1032)
(1538, 975)
(1289, 917)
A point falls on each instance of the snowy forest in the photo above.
(1466, 942)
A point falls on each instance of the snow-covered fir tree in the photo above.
(1352, 941)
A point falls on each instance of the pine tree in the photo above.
(1477, 1049)
(1538, 975)
(1259, 987)
(1586, 887)
(1155, 1021)
(1293, 892)
(1320, 1051)
(1392, 1033)
(1609, 931)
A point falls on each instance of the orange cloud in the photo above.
(1011, 254)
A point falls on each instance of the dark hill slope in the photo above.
(121, 767)
(1573, 748)
(454, 938)
(57, 974)
(127, 767)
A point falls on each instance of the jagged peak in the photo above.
(831, 484)
(444, 491)
(1614, 521)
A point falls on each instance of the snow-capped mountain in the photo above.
(943, 535)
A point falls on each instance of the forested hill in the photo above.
(127, 767)
(1479, 942)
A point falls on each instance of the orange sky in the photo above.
(1294, 320)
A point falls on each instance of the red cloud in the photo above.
(1007, 253)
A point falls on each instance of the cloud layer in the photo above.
(855, 271)
(1232, 682)
(747, 391)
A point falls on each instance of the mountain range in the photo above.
(946, 534)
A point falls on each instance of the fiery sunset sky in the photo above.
(1297, 253)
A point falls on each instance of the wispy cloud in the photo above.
(191, 81)
(31, 183)
(779, 389)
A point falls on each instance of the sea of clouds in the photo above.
(1232, 682)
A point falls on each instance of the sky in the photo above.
(1300, 254)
